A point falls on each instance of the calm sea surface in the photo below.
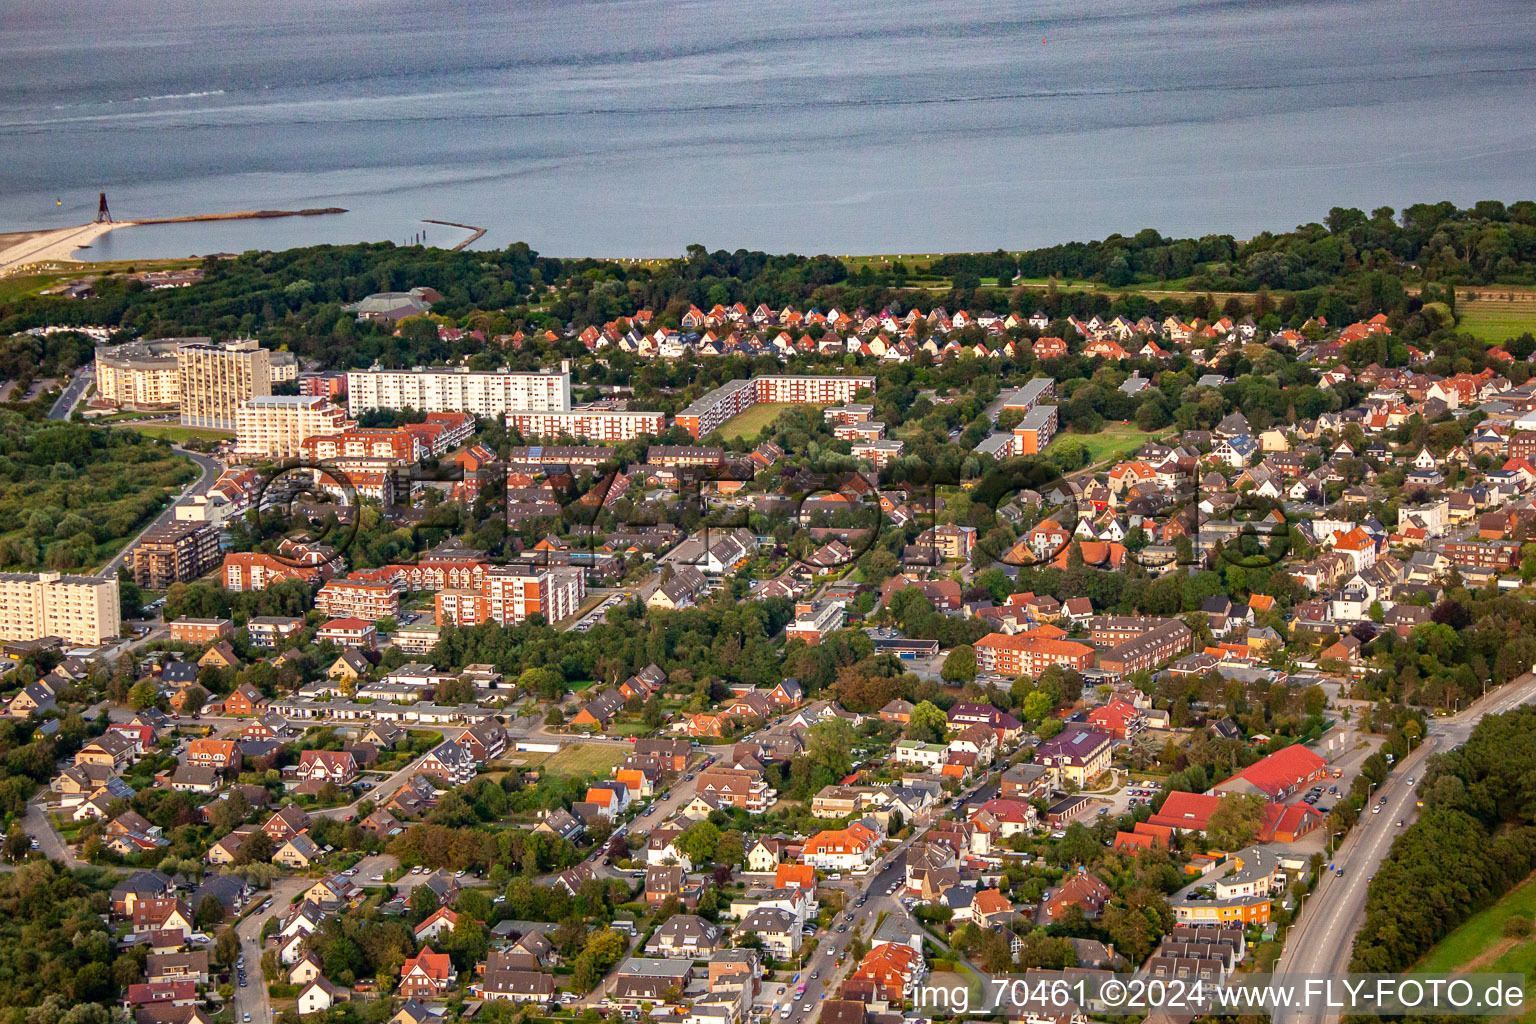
(636, 127)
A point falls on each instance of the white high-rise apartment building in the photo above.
(215, 379)
(461, 390)
(275, 426)
(80, 609)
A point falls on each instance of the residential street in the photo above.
(253, 998)
(72, 393)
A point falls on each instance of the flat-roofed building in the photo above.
(588, 424)
(459, 390)
(141, 374)
(177, 552)
(216, 378)
(1035, 430)
(79, 609)
(276, 426)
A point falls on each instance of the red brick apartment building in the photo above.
(1163, 642)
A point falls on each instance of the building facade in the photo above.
(141, 374)
(461, 390)
(711, 411)
(588, 424)
(177, 552)
(275, 426)
(216, 378)
(80, 609)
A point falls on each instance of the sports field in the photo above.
(751, 423)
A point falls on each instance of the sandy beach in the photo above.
(48, 247)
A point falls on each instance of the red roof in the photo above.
(1282, 770)
(347, 623)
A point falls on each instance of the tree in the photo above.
(1049, 729)
(699, 843)
(731, 849)
(455, 691)
(256, 848)
(209, 912)
(1236, 820)
(830, 746)
(927, 723)
(226, 947)
(143, 695)
(960, 664)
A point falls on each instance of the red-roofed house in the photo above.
(1278, 776)
(894, 968)
(427, 975)
(1119, 719)
(844, 849)
(794, 876)
(338, 766)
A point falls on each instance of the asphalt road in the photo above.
(71, 395)
(211, 469)
(252, 999)
(1323, 939)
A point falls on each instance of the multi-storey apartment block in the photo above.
(276, 426)
(177, 552)
(713, 410)
(80, 609)
(141, 374)
(215, 379)
(588, 424)
(461, 390)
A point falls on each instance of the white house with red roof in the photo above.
(338, 766)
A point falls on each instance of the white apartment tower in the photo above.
(216, 378)
(80, 609)
(275, 426)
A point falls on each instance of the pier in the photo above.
(478, 233)
(44, 250)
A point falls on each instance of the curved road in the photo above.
(1323, 939)
(211, 469)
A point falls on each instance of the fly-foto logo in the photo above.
(281, 498)
(1047, 512)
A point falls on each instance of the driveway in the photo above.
(38, 824)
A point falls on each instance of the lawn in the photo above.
(1483, 933)
(757, 418)
(579, 759)
(1496, 319)
(180, 435)
(1480, 945)
(1113, 442)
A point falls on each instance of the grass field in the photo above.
(1114, 441)
(751, 422)
(178, 435)
(1480, 945)
(580, 759)
(1495, 319)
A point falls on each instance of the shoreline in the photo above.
(39, 251)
